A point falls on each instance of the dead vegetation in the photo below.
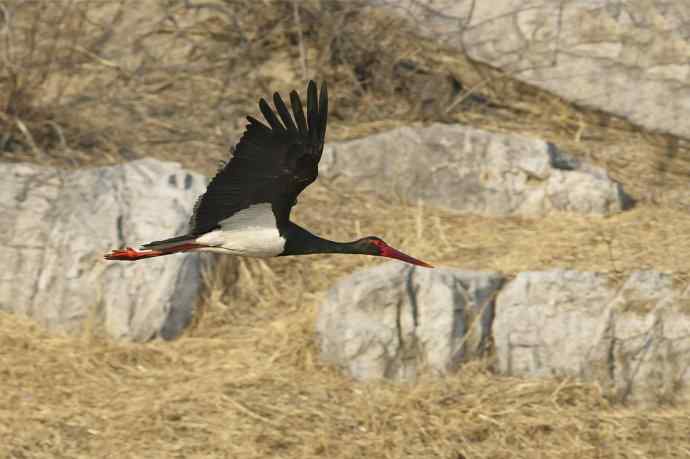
(44, 54)
(257, 390)
(97, 83)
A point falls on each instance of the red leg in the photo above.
(130, 254)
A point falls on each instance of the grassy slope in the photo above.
(246, 381)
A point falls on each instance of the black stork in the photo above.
(246, 208)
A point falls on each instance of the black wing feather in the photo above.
(256, 124)
(270, 116)
(270, 164)
(284, 114)
(323, 112)
(313, 112)
(299, 114)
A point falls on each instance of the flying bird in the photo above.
(245, 210)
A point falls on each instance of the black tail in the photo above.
(165, 243)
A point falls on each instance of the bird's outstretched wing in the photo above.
(270, 164)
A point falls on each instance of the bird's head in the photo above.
(373, 245)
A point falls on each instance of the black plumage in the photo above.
(269, 164)
(273, 164)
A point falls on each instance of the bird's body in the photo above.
(251, 232)
(245, 210)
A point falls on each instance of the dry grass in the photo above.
(256, 389)
(246, 380)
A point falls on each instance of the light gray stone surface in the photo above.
(472, 171)
(634, 339)
(394, 320)
(57, 225)
(631, 57)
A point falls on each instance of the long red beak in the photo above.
(390, 252)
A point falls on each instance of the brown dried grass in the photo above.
(246, 380)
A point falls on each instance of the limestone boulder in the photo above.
(58, 224)
(473, 171)
(394, 320)
(633, 339)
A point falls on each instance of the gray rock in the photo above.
(633, 340)
(629, 58)
(395, 320)
(472, 171)
(547, 321)
(56, 227)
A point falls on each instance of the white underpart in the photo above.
(251, 232)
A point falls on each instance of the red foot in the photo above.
(130, 254)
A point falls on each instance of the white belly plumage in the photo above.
(251, 232)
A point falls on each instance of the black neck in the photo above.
(299, 241)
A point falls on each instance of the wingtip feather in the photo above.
(284, 113)
(313, 111)
(311, 86)
(296, 103)
(323, 110)
(312, 126)
(270, 115)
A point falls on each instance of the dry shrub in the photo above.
(45, 53)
